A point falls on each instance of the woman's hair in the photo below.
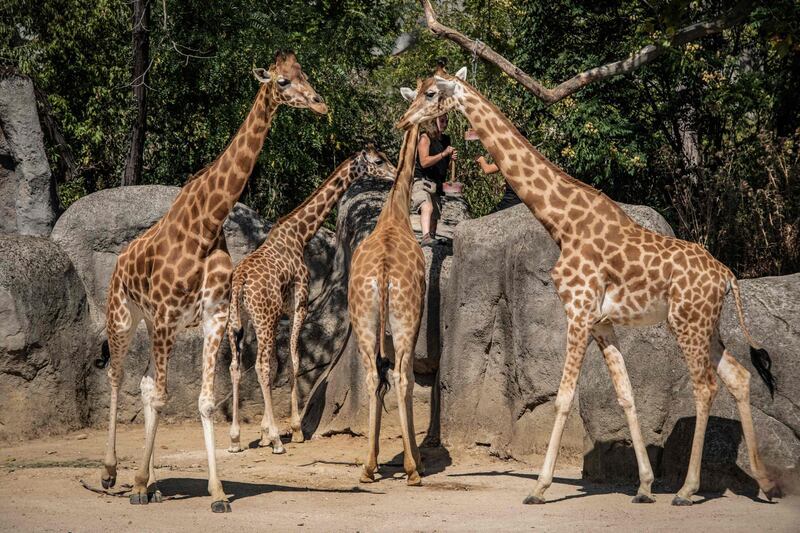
(429, 128)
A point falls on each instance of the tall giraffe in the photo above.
(387, 277)
(613, 271)
(273, 280)
(177, 275)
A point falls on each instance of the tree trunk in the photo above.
(141, 56)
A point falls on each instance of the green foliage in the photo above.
(707, 134)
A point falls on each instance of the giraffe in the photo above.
(613, 271)
(387, 277)
(273, 280)
(176, 275)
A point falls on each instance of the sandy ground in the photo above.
(314, 486)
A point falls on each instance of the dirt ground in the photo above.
(314, 486)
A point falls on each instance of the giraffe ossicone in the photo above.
(177, 275)
(613, 271)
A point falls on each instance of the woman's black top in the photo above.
(436, 173)
(509, 199)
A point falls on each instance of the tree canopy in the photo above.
(707, 134)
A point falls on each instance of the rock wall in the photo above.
(46, 345)
(27, 195)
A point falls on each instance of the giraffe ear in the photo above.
(408, 94)
(462, 73)
(261, 75)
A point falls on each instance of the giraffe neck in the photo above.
(213, 192)
(559, 201)
(306, 219)
(397, 204)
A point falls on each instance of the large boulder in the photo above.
(46, 345)
(27, 194)
(664, 400)
(95, 229)
(504, 335)
(337, 404)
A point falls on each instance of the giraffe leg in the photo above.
(154, 396)
(577, 340)
(737, 380)
(606, 339)
(404, 336)
(695, 346)
(364, 318)
(265, 332)
(153, 494)
(120, 327)
(300, 311)
(216, 301)
(236, 376)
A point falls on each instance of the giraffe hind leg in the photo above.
(120, 327)
(737, 380)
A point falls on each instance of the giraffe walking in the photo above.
(273, 280)
(613, 271)
(177, 275)
(387, 281)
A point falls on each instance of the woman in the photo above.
(434, 154)
(509, 198)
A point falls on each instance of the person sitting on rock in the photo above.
(509, 198)
(434, 154)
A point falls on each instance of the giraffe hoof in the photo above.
(235, 448)
(414, 480)
(139, 498)
(643, 498)
(277, 450)
(367, 478)
(108, 482)
(533, 500)
(680, 501)
(774, 492)
(220, 507)
(155, 497)
(298, 437)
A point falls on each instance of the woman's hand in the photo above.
(450, 151)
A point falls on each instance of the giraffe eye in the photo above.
(283, 82)
(379, 162)
(430, 94)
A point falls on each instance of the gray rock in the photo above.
(27, 194)
(95, 229)
(337, 403)
(46, 346)
(504, 335)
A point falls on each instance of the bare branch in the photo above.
(550, 96)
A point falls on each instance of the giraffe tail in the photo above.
(758, 355)
(382, 362)
(105, 356)
(235, 329)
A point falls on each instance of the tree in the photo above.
(141, 64)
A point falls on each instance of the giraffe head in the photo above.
(434, 96)
(372, 162)
(289, 85)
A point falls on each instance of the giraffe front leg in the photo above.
(300, 312)
(216, 299)
(607, 341)
(236, 376)
(577, 340)
(154, 396)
